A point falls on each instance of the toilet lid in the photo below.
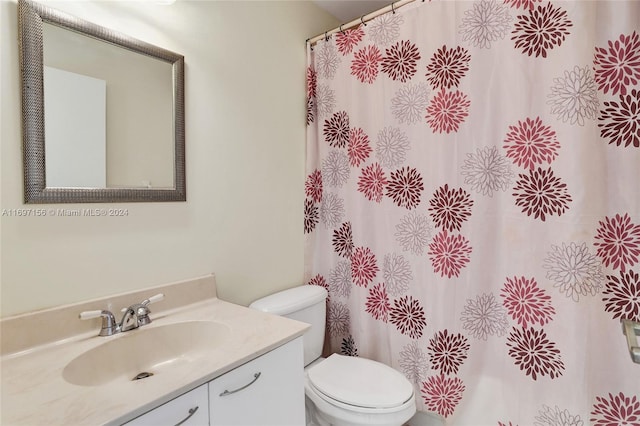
(360, 382)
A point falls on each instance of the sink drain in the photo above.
(142, 375)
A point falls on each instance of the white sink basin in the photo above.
(146, 351)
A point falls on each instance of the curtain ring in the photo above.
(362, 20)
(393, 8)
(326, 37)
(341, 28)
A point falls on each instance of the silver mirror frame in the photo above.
(31, 16)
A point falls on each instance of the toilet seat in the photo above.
(359, 384)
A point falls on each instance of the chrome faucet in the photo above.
(133, 317)
(129, 319)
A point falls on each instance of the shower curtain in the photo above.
(472, 204)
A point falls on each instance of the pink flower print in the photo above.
(557, 417)
(484, 316)
(336, 130)
(312, 82)
(620, 121)
(450, 207)
(616, 410)
(358, 147)
(575, 271)
(447, 67)
(447, 110)
(541, 193)
(544, 28)
(327, 59)
(449, 254)
(622, 296)
(313, 186)
(618, 66)
(348, 39)
(397, 274)
(618, 242)
(377, 303)
(531, 143)
(392, 146)
(405, 187)
(311, 110)
(413, 362)
(325, 101)
(335, 168)
(488, 21)
(409, 102)
(338, 319)
(343, 240)
(574, 97)
(331, 210)
(447, 351)
(534, 353)
(487, 171)
(384, 29)
(311, 216)
(365, 64)
(363, 266)
(400, 61)
(413, 233)
(372, 182)
(340, 279)
(442, 394)
(408, 316)
(526, 302)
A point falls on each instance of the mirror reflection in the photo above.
(108, 114)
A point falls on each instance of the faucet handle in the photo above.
(143, 317)
(142, 311)
(109, 326)
(153, 299)
(85, 315)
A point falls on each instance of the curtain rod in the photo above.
(362, 20)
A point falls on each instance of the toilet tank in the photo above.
(305, 303)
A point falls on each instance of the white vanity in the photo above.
(264, 391)
(201, 361)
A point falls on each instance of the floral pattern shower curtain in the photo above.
(473, 204)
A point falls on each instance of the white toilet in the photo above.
(341, 390)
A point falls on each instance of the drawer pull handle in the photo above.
(192, 411)
(228, 392)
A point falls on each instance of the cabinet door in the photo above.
(190, 409)
(268, 391)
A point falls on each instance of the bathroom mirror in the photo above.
(102, 113)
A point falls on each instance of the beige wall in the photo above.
(245, 127)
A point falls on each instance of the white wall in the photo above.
(245, 131)
(75, 116)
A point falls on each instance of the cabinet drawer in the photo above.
(189, 409)
(267, 391)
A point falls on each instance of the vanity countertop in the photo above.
(34, 391)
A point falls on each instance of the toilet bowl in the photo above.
(341, 390)
(351, 391)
